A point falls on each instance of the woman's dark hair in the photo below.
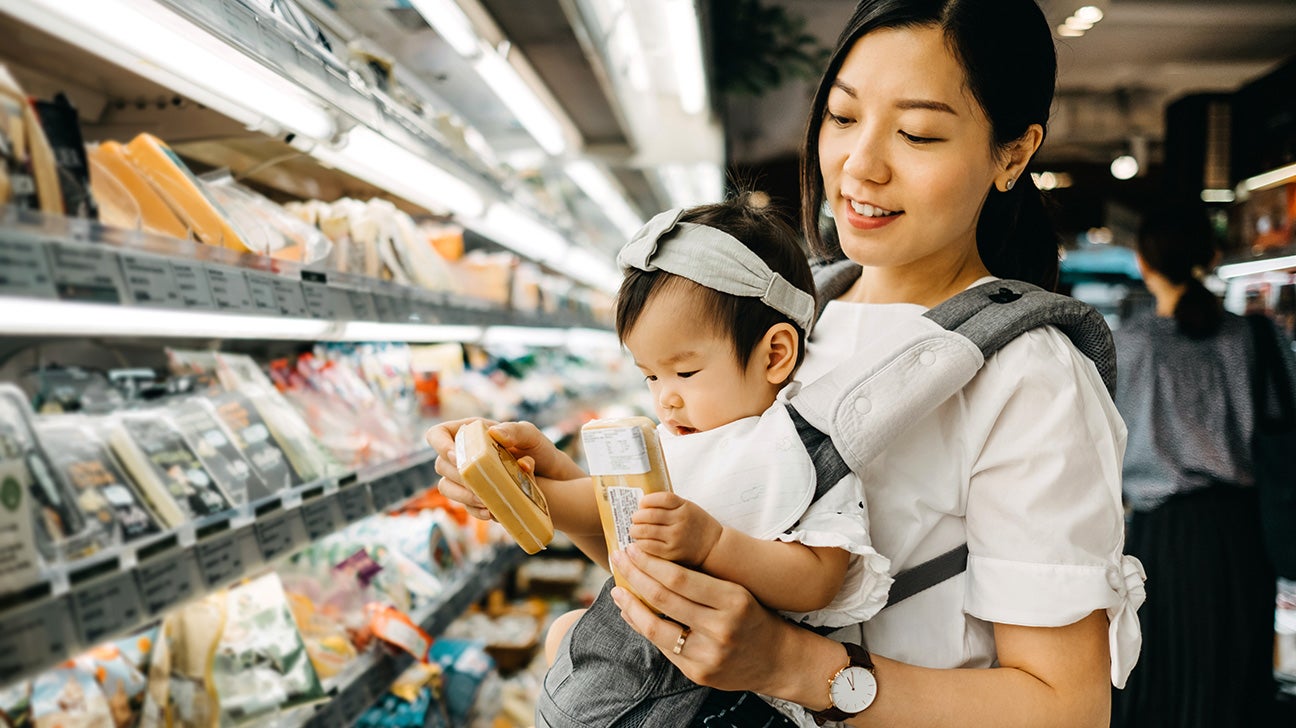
(744, 319)
(1006, 50)
(1176, 242)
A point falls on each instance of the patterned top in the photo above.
(1187, 404)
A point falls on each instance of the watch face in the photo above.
(853, 690)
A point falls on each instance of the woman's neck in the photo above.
(926, 283)
(1167, 294)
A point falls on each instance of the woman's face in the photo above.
(905, 153)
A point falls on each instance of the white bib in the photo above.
(752, 474)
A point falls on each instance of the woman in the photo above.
(918, 141)
(1185, 390)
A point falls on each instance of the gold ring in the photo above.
(679, 643)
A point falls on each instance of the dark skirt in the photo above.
(1208, 634)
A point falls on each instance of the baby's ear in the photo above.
(780, 346)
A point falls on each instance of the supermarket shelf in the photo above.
(369, 678)
(69, 277)
(81, 604)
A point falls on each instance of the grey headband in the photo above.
(714, 259)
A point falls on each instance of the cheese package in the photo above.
(165, 468)
(626, 461)
(178, 186)
(218, 449)
(108, 161)
(509, 492)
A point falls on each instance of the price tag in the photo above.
(85, 273)
(167, 581)
(341, 303)
(290, 298)
(150, 280)
(263, 292)
(106, 607)
(353, 502)
(412, 481)
(318, 301)
(386, 308)
(192, 284)
(387, 492)
(24, 269)
(362, 306)
(35, 636)
(279, 534)
(230, 290)
(321, 517)
(226, 558)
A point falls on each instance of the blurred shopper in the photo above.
(1185, 378)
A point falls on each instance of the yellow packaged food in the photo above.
(626, 461)
(175, 183)
(509, 492)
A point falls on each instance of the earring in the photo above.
(1009, 184)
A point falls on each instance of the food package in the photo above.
(268, 229)
(181, 689)
(626, 461)
(218, 450)
(31, 171)
(261, 662)
(120, 668)
(15, 705)
(23, 498)
(509, 492)
(411, 702)
(253, 437)
(165, 468)
(69, 697)
(487, 276)
(108, 161)
(183, 192)
(62, 127)
(84, 464)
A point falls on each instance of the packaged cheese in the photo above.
(155, 214)
(626, 461)
(178, 186)
(165, 468)
(509, 492)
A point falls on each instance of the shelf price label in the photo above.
(225, 558)
(353, 502)
(290, 299)
(388, 308)
(168, 580)
(262, 288)
(24, 269)
(279, 534)
(85, 273)
(150, 280)
(319, 302)
(107, 606)
(320, 517)
(192, 284)
(362, 306)
(230, 290)
(387, 491)
(35, 636)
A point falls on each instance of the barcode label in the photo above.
(623, 502)
(616, 451)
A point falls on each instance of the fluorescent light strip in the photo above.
(523, 102)
(1270, 179)
(449, 21)
(156, 43)
(593, 270)
(1251, 267)
(599, 187)
(412, 333)
(521, 233)
(34, 317)
(1217, 196)
(524, 336)
(375, 159)
(686, 48)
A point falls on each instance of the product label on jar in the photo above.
(616, 451)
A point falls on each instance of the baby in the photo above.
(715, 307)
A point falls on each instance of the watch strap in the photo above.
(856, 656)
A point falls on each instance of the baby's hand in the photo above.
(672, 528)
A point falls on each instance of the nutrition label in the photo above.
(624, 502)
(616, 451)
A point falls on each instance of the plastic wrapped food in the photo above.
(268, 228)
(165, 467)
(172, 179)
(218, 450)
(154, 213)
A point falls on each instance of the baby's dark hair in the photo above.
(743, 318)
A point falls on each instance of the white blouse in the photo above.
(1024, 465)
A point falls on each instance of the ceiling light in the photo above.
(522, 101)
(1273, 178)
(1251, 267)
(25, 317)
(595, 271)
(1089, 14)
(626, 50)
(686, 49)
(516, 230)
(409, 333)
(449, 21)
(1100, 236)
(162, 46)
(379, 161)
(1075, 23)
(692, 184)
(1067, 31)
(1217, 196)
(598, 185)
(524, 336)
(1124, 167)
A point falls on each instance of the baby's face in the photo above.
(695, 379)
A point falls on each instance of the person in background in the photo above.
(1184, 388)
(918, 141)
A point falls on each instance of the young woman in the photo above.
(918, 142)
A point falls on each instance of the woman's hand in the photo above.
(732, 642)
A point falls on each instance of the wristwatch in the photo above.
(852, 690)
